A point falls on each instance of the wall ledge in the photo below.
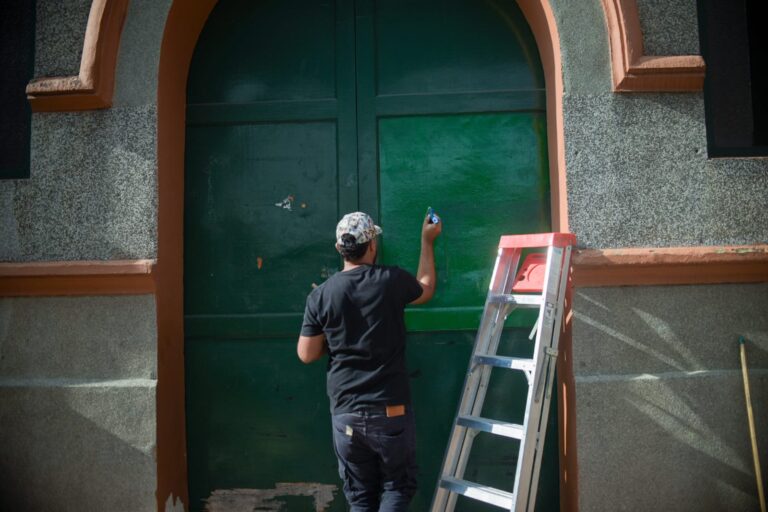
(632, 70)
(591, 268)
(670, 266)
(77, 278)
(94, 86)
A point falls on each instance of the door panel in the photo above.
(268, 50)
(453, 46)
(263, 199)
(299, 111)
(479, 173)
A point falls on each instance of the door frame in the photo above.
(183, 26)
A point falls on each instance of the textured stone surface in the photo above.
(636, 330)
(638, 176)
(668, 444)
(76, 447)
(92, 192)
(78, 337)
(670, 27)
(139, 56)
(60, 32)
(584, 48)
(9, 233)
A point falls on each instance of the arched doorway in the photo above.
(393, 130)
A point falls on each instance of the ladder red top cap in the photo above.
(530, 277)
(537, 240)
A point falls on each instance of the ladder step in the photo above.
(523, 301)
(513, 363)
(500, 428)
(479, 492)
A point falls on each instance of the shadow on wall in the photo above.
(660, 399)
(77, 447)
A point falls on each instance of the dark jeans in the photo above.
(377, 462)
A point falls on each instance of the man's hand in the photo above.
(430, 231)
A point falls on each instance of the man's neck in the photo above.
(349, 265)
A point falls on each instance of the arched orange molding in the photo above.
(93, 86)
(633, 71)
(541, 19)
(184, 24)
(182, 28)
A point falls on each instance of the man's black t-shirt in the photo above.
(361, 313)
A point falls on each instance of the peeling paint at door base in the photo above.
(249, 500)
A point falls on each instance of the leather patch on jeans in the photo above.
(395, 410)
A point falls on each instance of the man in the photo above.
(356, 317)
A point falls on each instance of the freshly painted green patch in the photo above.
(480, 175)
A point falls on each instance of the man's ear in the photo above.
(373, 245)
(338, 249)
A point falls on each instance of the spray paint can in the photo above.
(433, 218)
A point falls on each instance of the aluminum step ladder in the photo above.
(540, 283)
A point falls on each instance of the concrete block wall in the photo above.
(661, 415)
(77, 386)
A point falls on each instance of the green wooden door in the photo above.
(300, 111)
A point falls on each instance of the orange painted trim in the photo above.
(668, 266)
(94, 86)
(541, 19)
(45, 279)
(566, 410)
(182, 28)
(632, 70)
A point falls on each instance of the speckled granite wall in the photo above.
(60, 32)
(637, 168)
(92, 191)
(670, 27)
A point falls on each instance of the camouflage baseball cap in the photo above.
(358, 224)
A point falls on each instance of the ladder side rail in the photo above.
(559, 319)
(556, 292)
(545, 321)
(505, 265)
(505, 283)
(459, 434)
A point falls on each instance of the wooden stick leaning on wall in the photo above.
(751, 418)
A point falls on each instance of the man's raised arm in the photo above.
(426, 274)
